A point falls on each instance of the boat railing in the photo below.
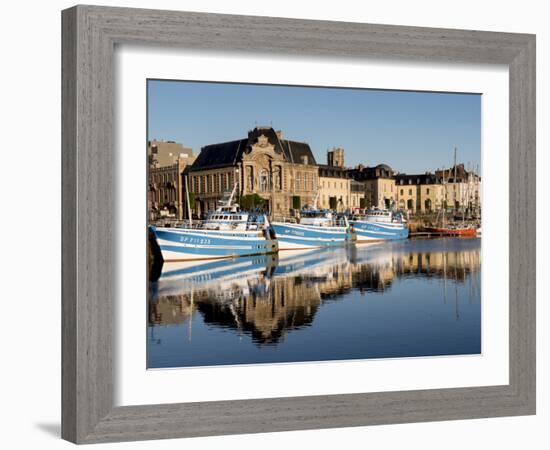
(284, 219)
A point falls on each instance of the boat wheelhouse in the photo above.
(379, 225)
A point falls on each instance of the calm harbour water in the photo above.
(400, 299)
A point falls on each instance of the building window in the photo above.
(401, 191)
(410, 192)
(428, 191)
(305, 182)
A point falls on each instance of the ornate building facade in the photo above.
(283, 173)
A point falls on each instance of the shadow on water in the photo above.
(154, 258)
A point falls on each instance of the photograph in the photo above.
(291, 224)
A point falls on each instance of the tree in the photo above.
(191, 200)
(251, 201)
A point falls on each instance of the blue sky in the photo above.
(411, 131)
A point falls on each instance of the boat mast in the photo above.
(188, 204)
(445, 206)
(314, 206)
(230, 200)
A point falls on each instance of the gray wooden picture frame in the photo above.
(90, 34)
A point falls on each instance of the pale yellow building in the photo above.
(334, 188)
(419, 193)
(379, 185)
(357, 195)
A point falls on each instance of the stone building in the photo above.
(165, 153)
(167, 162)
(419, 193)
(335, 157)
(282, 172)
(379, 185)
(334, 188)
(462, 188)
(337, 190)
(357, 195)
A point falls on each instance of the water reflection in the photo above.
(265, 299)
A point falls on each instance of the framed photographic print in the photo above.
(268, 222)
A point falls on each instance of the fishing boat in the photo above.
(227, 232)
(379, 225)
(453, 228)
(316, 228)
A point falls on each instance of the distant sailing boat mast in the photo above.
(454, 185)
(453, 229)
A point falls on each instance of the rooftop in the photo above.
(229, 153)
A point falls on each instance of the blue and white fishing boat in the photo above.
(316, 228)
(227, 232)
(379, 225)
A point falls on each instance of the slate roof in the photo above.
(362, 173)
(424, 178)
(230, 153)
(219, 155)
(333, 171)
